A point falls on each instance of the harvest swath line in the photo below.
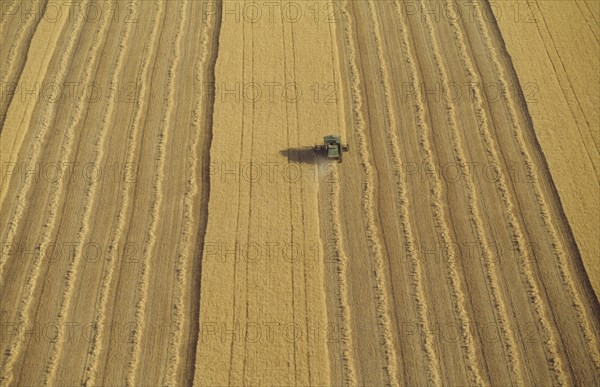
(184, 256)
(209, 109)
(202, 120)
(440, 216)
(556, 363)
(39, 139)
(25, 302)
(368, 204)
(557, 244)
(441, 222)
(403, 201)
(492, 271)
(417, 270)
(9, 66)
(459, 294)
(346, 334)
(92, 368)
(158, 196)
(67, 149)
(88, 377)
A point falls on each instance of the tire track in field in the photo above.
(492, 271)
(347, 355)
(557, 245)
(66, 151)
(569, 94)
(245, 358)
(290, 198)
(91, 369)
(403, 203)
(458, 293)
(24, 304)
(587, 21)
(202, 119)
(367, 199)
(237, 225)
(302, 195)
(25, 32)
(157, 197)
(39, 139)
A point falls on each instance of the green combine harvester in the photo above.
(332, 144)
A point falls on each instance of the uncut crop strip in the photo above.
(66, 152)
(91, 369)
(18, 49)
(403, 203)
(191, 193)
(492, 271)
(157, 185)
(32, 279)
(557, 244)
(368, 204)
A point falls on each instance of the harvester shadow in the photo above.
(302, 155)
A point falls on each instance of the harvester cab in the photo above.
(332, 144)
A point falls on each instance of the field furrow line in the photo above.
(66, 153)
(48, 228)
(372, 234)
(492, 271)
(16, 48)
(557, 244)
(403, 203)
(192, 190)
(91, 369)
(458, 292)
(157, 186)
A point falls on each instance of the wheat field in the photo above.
(165, 219)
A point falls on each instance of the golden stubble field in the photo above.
(164, 219)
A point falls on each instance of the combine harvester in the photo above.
(332, 144)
